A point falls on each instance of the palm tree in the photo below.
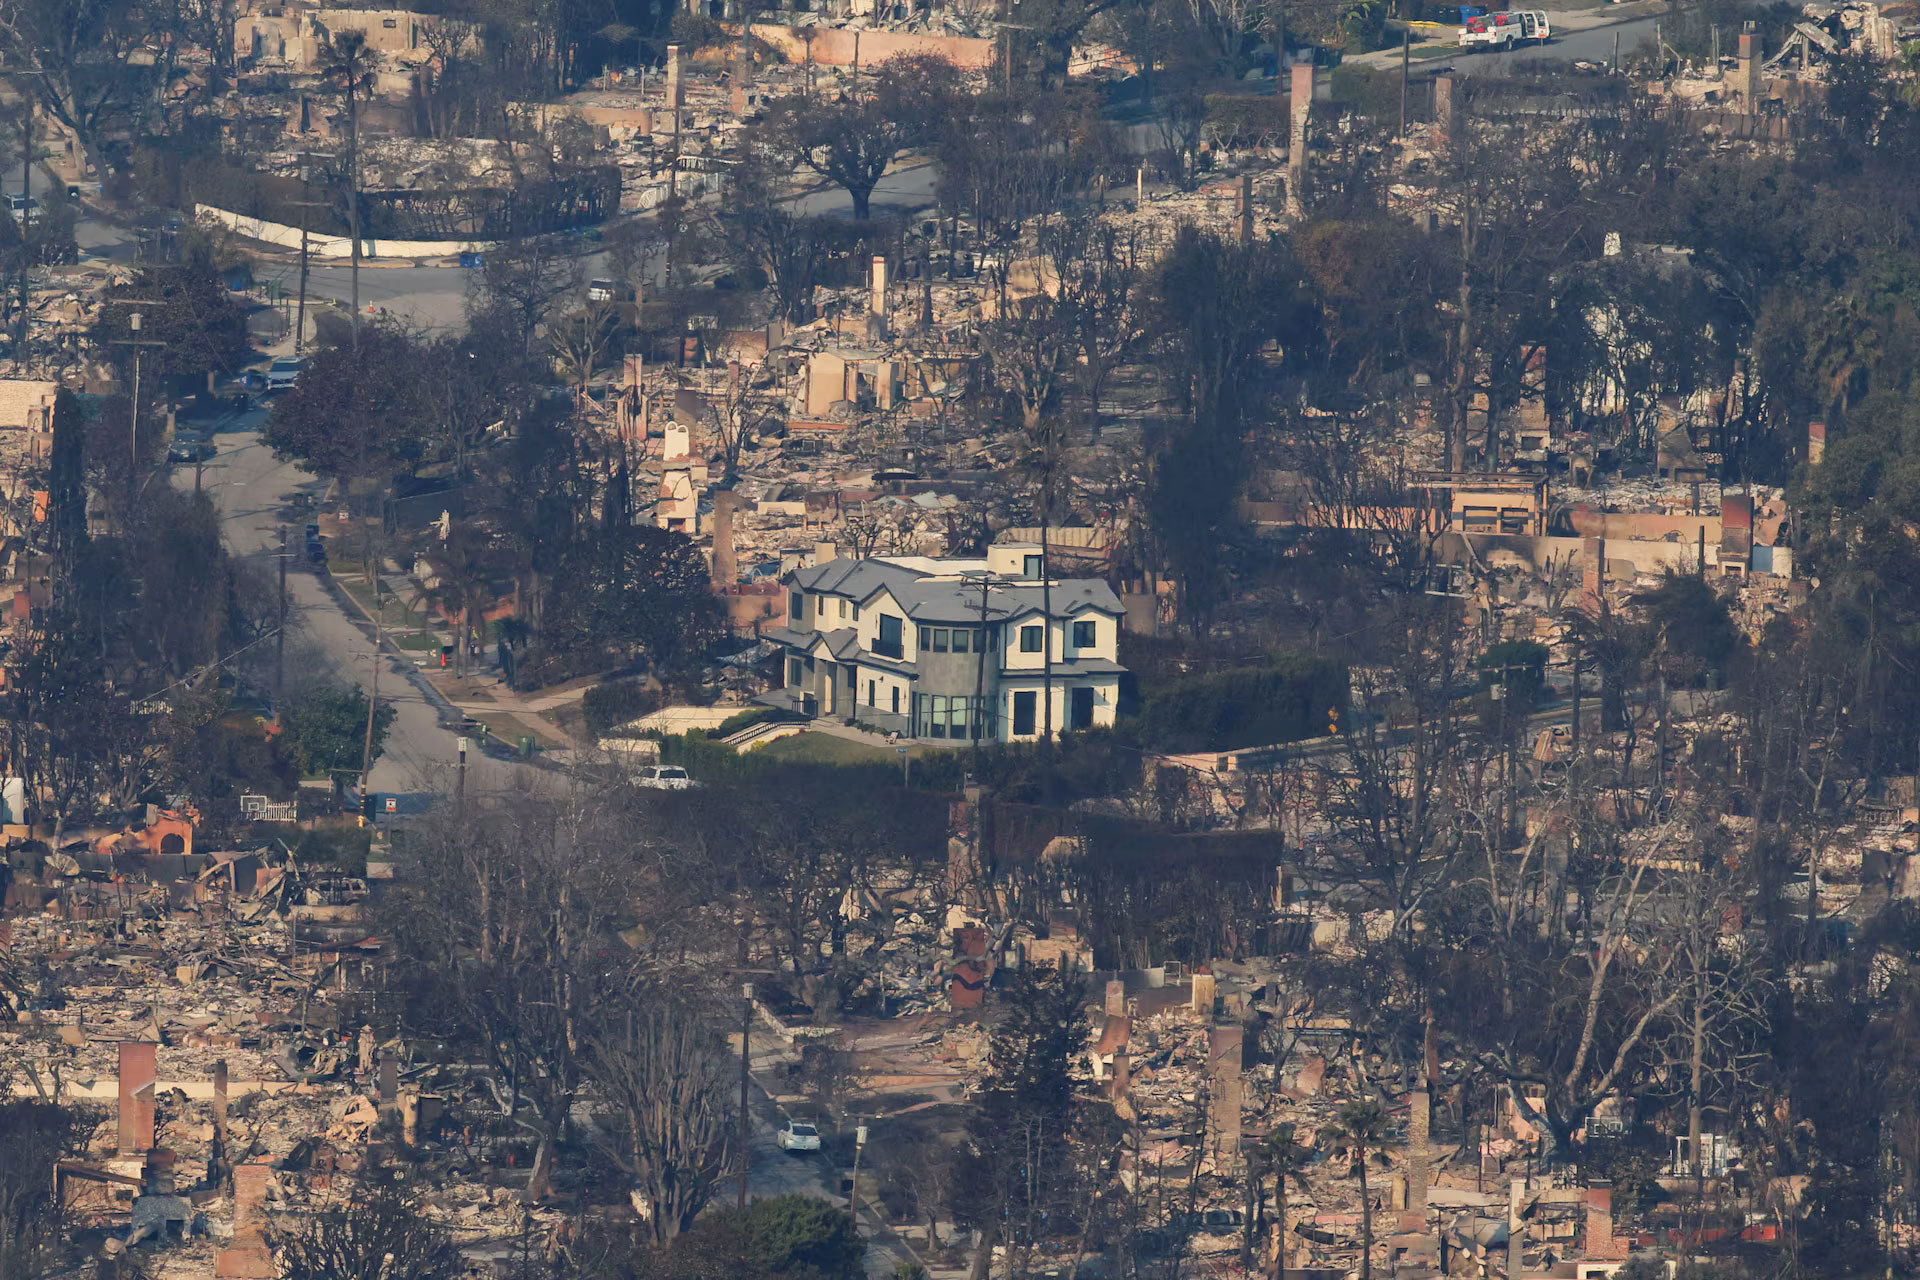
(348, 64)
(1364, 1124)
(1279, 1157)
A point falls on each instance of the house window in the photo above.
(992, 635)
(843, 608)
(1080, 708)
(856, 613)
(870, 692)
(941, 716)
(960, 641)
(796, 607)
(853, 679)
(796, 672)
(389, 24)
(896, 699)
(1033, 566)
(888, 645)
(939, 639)
(1023, 707)
(1030, 639)
(1083, 633)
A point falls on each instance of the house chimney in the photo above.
(1443, 116)
(1224, 1048)
(1599, 1220)
(1816, 443)
(220, 1106)
(1116, 1006)
(1122, 1068)
(825, 551)
(673, 77)
(726, 564)
(1746, 77)
(1516, 1226)
(1244, 210)
(136, 1096)
(877, 304)
(1301, 107)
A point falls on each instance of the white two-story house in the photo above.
(950, 649)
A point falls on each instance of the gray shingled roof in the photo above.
(929, 599)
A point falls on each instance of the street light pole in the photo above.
(746, 1119)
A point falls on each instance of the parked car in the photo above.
(25, 209)
(190, 449)
(284, 372)
(797, 1137)
(664, 777)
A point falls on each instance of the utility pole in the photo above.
(1406, 57)
(280, 641)
(460, 779)
(975, 720)
(300, 310)
(373, 701)
(133, 423)
(746, 1117)
(26, 215)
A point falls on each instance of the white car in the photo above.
(284, 372)
(663, 777)
(25, 209)
(797, 1136)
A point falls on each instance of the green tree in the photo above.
(1280, 1157)
(1012, 1173)
(328, 729)
(187, 311)
(805, 1238)
(358, 415)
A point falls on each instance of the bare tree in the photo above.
(667, 1075)
(376, 1230)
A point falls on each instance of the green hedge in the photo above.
(608, 706)
(1284, 701)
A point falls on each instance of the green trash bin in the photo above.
(526, 746)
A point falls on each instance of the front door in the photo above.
(1080, 708)
(1023, 709)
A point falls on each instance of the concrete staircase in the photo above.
(758, 735)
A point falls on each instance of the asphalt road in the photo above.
(773, 1172)
(1595, 45)
(250, 488)
(434, 296)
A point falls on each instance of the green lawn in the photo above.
(1433, 51)
(825, 748)
(393, 609)
(828, 748)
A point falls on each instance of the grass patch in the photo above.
(825, 748)
(829, 748)
(418, 642)
(393, 611)
(1433, 51)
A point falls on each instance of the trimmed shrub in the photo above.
(608, 706)
(1284, 701)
